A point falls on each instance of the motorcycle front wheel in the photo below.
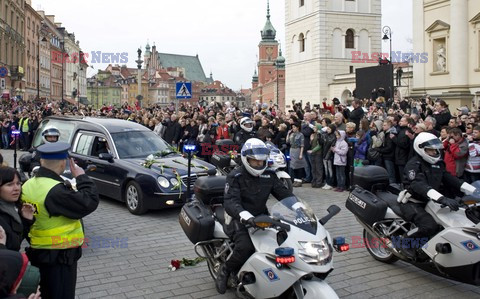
(378, 249)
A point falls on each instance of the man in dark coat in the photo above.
(388, 150)
(403, 144)
(356, 114)
(172, 131)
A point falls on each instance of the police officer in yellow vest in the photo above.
(57, 235)
(24, 126)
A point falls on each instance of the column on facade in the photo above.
(344, 45)
(456, 59)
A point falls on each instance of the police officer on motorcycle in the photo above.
(426, 178)
(50, 135)
(246, 131)
(246, 193)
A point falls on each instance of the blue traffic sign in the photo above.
(183, 90)
(3, 72)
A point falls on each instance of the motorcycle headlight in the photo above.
(163, 182)
(174, 181)
(279, 160)
(318, 253)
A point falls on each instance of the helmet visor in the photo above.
(432, 143)
(257, 153)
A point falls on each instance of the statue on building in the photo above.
(399, 76)
(441, 59)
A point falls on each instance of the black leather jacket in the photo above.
(420, 176)
(242, 136)
(244, 192)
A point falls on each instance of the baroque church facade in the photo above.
(449, 31)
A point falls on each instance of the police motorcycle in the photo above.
(293, 251)
(226, 159)
(278, 163)
(29, 162)
(453, 253)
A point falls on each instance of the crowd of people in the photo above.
(324, 142)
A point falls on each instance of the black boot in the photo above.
(410, 253)
(222, 279)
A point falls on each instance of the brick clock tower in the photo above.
(269, 84)
(268, 51)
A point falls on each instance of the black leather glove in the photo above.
(451, 203)
(250, 221)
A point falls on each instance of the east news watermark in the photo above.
(94, 242)
(397, 57)
(96, 57)
(395, 242)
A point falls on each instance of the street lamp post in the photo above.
(387, 35)
(139, 62)
(62, 45)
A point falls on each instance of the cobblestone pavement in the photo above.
(140, 271)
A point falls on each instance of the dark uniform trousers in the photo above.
(414, 212)
(243, 248)
(58, 271)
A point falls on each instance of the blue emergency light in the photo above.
(284, 256)
(339, 241)
(284, 251)
(189, 148)
(16, 132)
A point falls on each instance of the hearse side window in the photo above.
(66, 129)
(100, 146)
(84, 144)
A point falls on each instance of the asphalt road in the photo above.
(144, 246)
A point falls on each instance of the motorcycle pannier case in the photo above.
(210, 189)
(221, 159)
(371, 176)
(366, 206)
(197, 221)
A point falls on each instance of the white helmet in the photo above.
(424, 141)
(246, 124)
(255, 149)
(50, 132)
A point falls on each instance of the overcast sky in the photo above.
(224, 33)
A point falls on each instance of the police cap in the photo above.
(54, 151)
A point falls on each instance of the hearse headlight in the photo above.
(319, 253)
(162, 181)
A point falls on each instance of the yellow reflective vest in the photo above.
(49, 232)
(24, 125)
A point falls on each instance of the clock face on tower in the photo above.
(269, 52)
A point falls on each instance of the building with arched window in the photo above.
(320, 38)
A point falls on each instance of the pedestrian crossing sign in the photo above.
(183, 90)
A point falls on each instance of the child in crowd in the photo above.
(340, 160)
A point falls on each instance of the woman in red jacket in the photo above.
(456, 152)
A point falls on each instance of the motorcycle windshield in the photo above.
(295, 212)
